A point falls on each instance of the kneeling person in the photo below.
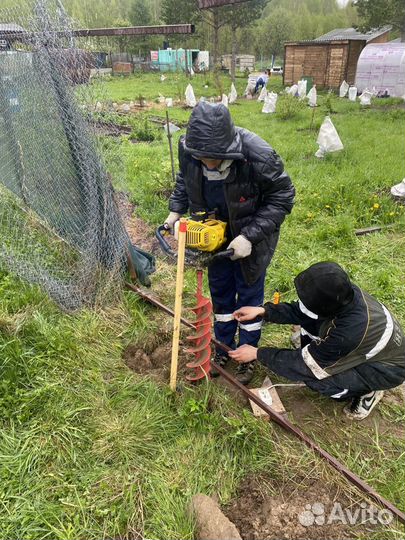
(352, 347)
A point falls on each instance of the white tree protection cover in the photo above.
(263, 94)
(250, 88)
(328, 139)
(190, 97)
(293, 90)
(233, 94)
(172, 128)
(352, 93)
(365, 98)
(270, 102)
(302, 88)
(344, 88)
(311, 96)
(224, 100)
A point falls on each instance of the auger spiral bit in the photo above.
(201, 340)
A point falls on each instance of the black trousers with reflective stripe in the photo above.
(229, 291)
(358, 381)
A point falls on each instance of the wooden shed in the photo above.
(243, 61)
(329, 59)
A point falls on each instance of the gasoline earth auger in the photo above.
(204, 237)
(201, 339)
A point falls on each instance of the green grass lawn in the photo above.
(90, 450)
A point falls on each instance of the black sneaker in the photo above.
(360, 407)
(221, 361)
(244, 372)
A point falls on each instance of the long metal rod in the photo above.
(280, 419)
(169, 138)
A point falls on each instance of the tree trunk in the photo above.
(216, 38)
(403, 33)
(233, 57)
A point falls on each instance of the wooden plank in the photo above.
(269, 396)
(207, 4)
(136, 30)
(22, 35)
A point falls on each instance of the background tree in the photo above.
(140, 14)
(376, 13)
(240, 16)
(273, 32)
(215, 19)
(181, 11)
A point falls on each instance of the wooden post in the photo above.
(312, 118)
(178, 301)
(169, 136)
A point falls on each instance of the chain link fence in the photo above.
(60, 226)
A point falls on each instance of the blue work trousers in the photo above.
(229, 292)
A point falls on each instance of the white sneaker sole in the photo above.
(362, 415)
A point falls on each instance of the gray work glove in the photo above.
(241, 246)
(171, 220)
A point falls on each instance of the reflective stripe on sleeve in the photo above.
(310, 361)
(224, 317)
(252, 326)
(384, 339)
(305, 333)
(306, 311)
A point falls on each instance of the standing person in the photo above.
(352, 347)
(238, 175)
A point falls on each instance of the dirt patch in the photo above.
(154, 360)
(396, 396)
(141, 233)
(310, 512)
(156, 363)
(109, 129)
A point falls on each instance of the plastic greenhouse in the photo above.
(382, 66)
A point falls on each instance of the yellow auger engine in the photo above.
(203, 234)
(204, 237)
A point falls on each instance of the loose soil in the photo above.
(141, 233)
(308, 409)
(109, 129)
(155, 364)
(154, 360)
(293, 512)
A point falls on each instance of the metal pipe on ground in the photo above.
(280, 419)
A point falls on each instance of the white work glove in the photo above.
(241, 246)
(171, 220)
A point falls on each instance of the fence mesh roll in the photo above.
(60, 226)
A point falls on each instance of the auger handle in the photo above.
(226, 254)
(160, 235)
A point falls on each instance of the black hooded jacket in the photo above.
(258, 192)
(342, 328)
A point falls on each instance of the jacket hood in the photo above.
(211, 133)
(324, 288)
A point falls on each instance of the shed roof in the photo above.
(353, 34)
(11, 27)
